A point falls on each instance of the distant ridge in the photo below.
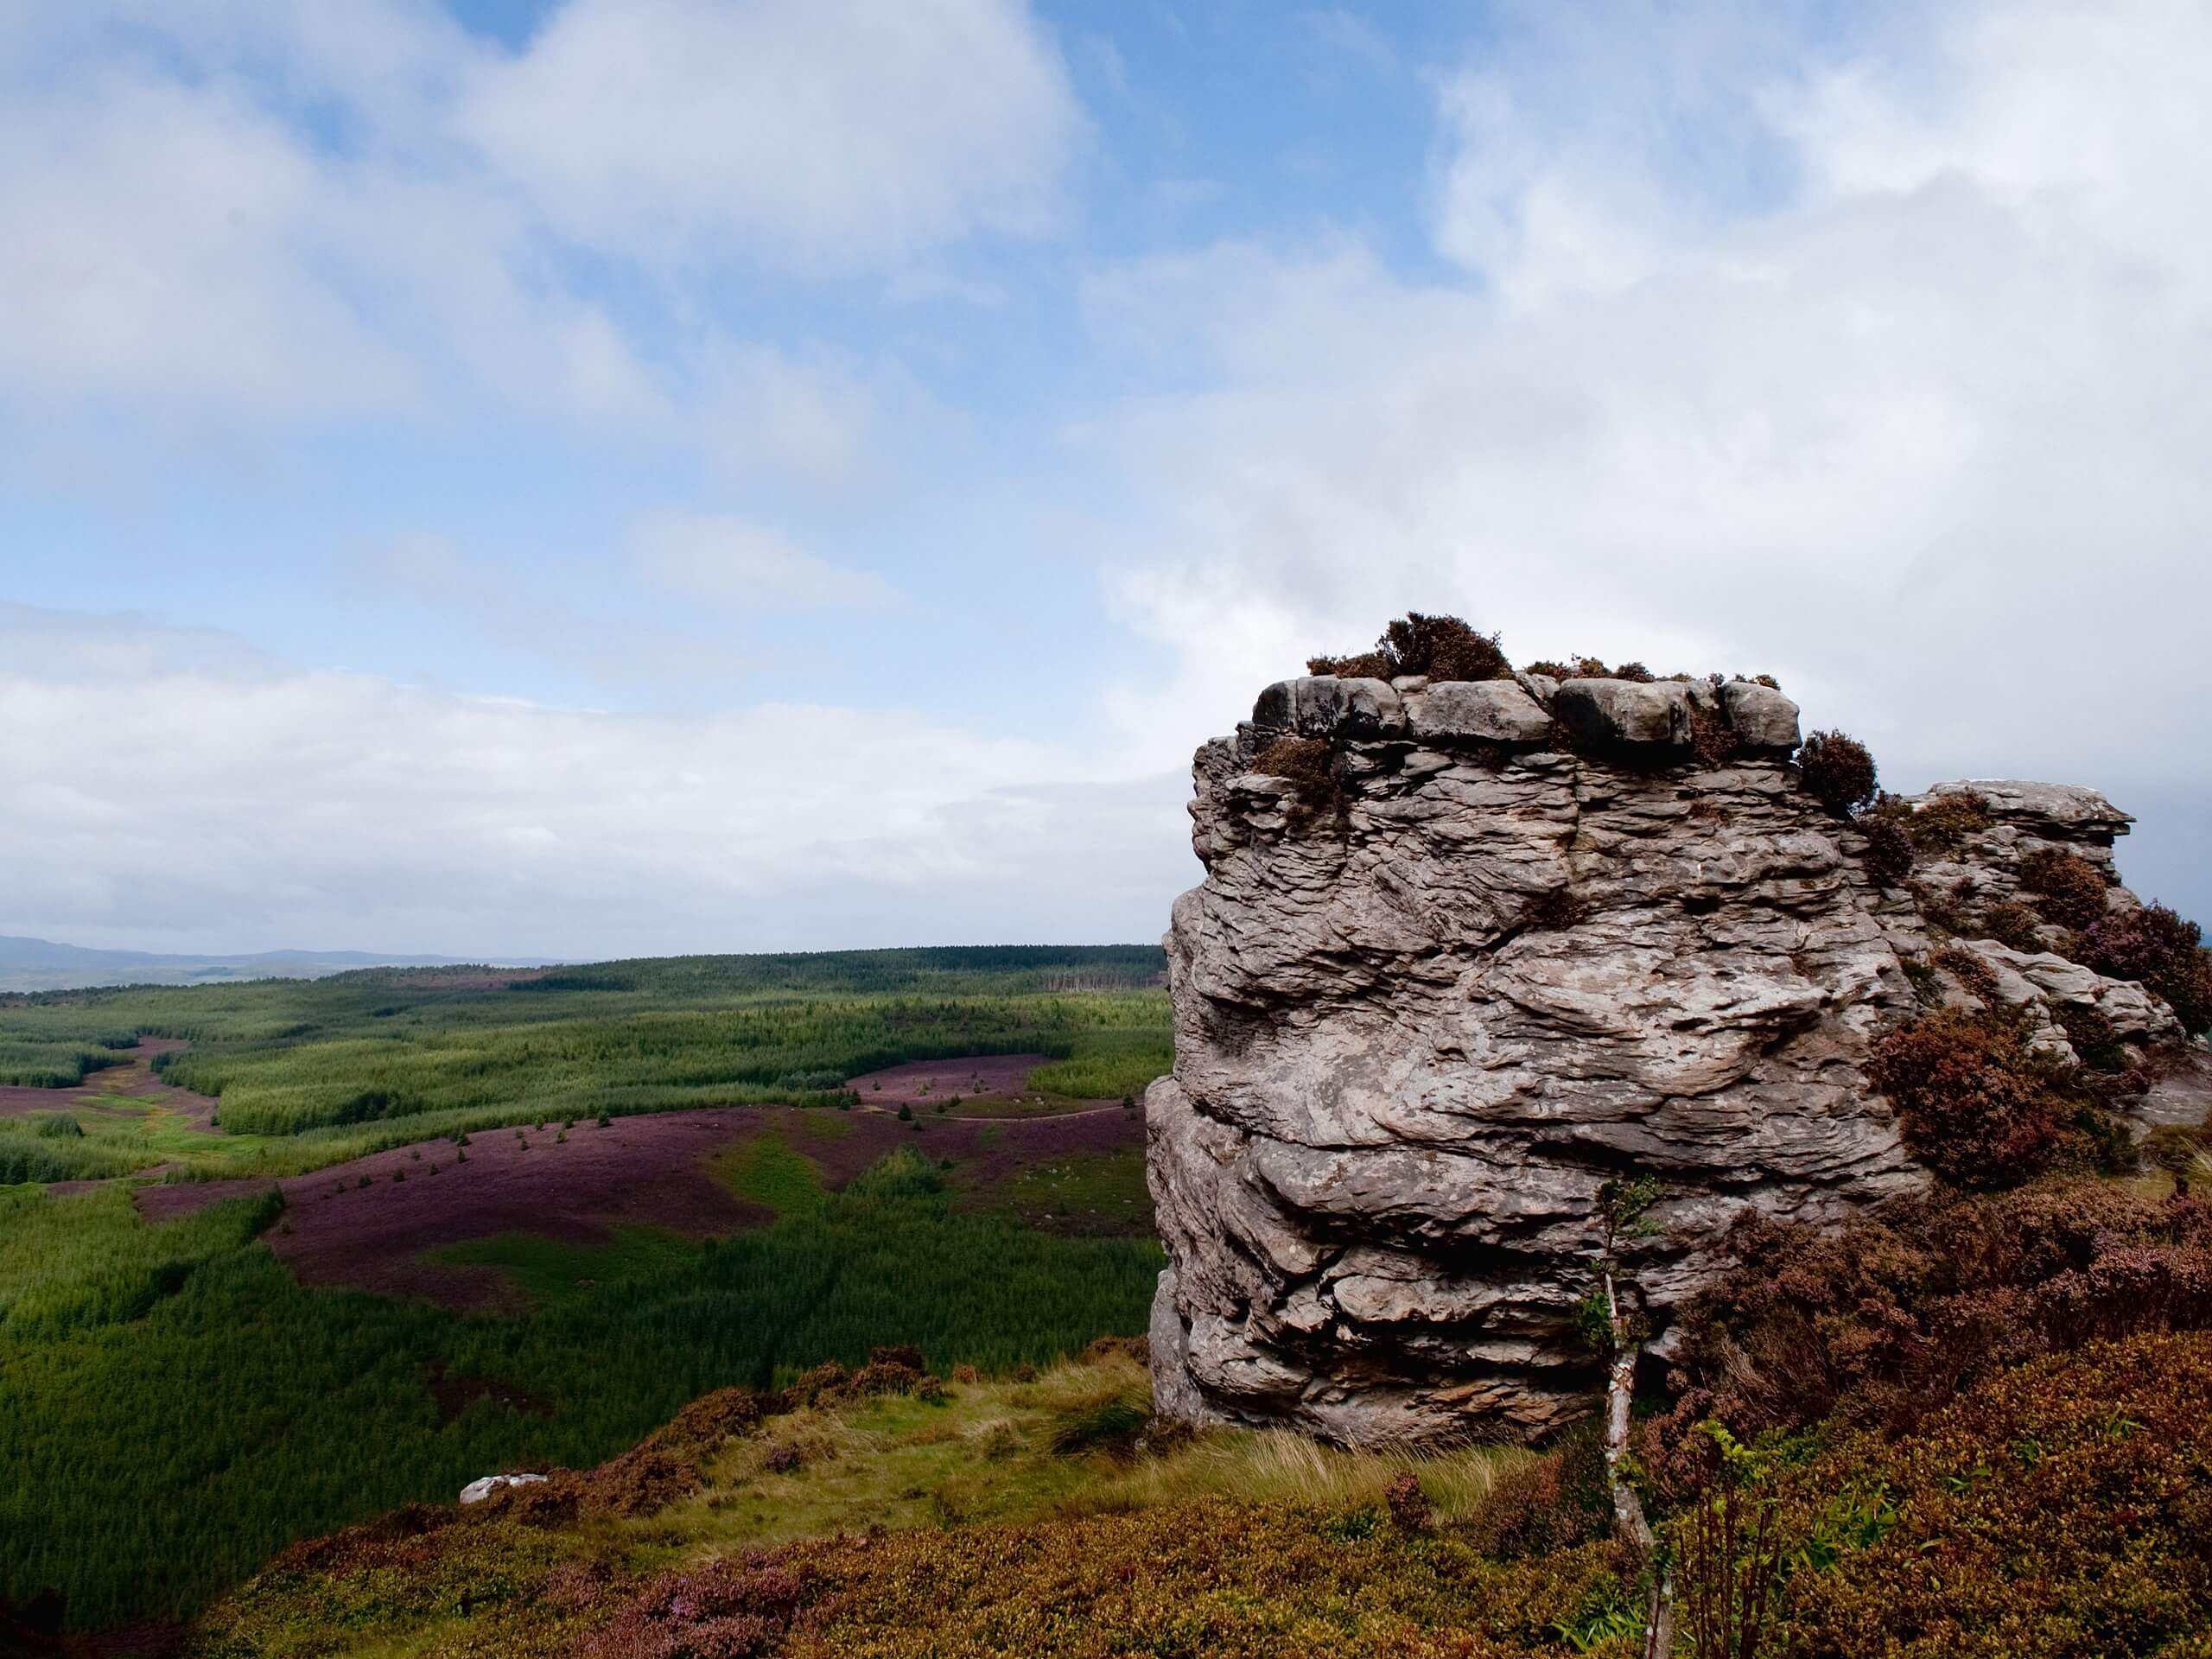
(28, 964)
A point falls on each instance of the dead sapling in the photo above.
(1622, 1211)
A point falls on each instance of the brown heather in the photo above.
(1887, 1320)
(1837, 772)
(2069, 889)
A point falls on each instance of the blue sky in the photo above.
(582, 477)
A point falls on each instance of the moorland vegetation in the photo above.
(175, 1406)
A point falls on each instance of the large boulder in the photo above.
(1415, 1037)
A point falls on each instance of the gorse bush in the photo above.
(1837, 772)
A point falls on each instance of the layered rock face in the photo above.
(1486, 946)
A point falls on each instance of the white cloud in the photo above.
(277, 213)
(265, 805)
(713, 557)
(1919, 424)
(841, 133)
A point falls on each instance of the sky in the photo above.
(590, 477)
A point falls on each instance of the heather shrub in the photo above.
(1304, 763)
(1410, 1510)
(1558, 1501)
(1885, 1319)
(1837, 772)
(2164, 951)
(1975, 1107)
(1888, 851)
(2069, 890)
(1441, 647)
(1552, 909)
(2092, 1035)
(1941, 824)
(2014, 924)
(2060, 1512)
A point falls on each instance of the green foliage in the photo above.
(763, 1169)
(1108, 1064)
(86, 1258)
(1593, 1322)
(313, 1073)
(56, 1047)
(28, 1153)
(550, 1269)
(2092, 1542)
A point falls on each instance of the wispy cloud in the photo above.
(715, 558)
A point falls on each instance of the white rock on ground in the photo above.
(477, 1490)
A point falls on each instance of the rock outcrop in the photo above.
(1463, 952)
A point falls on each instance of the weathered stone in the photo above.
(2051, 812)
(1762, 718)
(1413, 1039)
(477, 1490)
(1491, 711)
(1320, 705)
(1626, 714)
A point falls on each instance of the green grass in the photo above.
(1096, 1192)
(550, 1269)
(763, 1169)
(1110, 1065)
(154, 1449)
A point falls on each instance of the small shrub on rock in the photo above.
(1837, 772)
(2069, 890)
(1441, 647)
(2014, 924)
(1303, 762)
(1553, 911)
(1888, 851)
(2156, 946)
(1940, 825)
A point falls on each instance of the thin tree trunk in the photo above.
(1628, 1519)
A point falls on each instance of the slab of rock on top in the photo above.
(1539, 947)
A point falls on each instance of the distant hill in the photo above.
(42, 965)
